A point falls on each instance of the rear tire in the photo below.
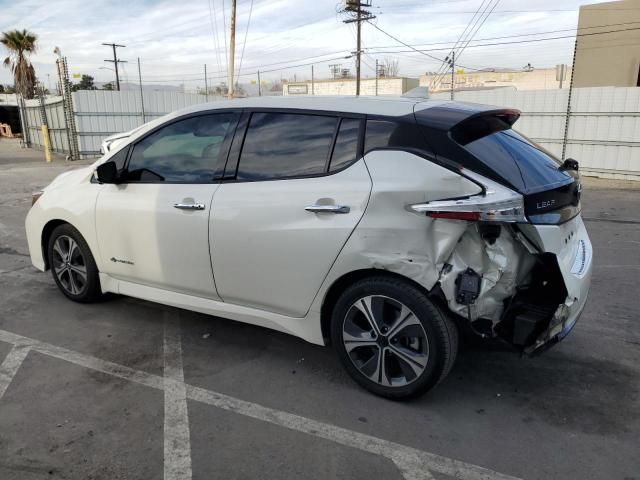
(72, 265)
(391, 338)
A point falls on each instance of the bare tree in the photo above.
(390, 68)
(276, 86)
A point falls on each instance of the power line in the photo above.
(214, 31)
(224, 24)
(464, 32)
(480, 22)
(248, 74)
(516, 36)
(516, 42)
(375, 50)
(379, 48)
(244, 44)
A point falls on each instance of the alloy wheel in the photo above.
(69, 265)
(385, 341)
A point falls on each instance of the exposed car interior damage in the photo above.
(517, 291)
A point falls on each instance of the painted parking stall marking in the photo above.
(10, 366)
(177, 444)
(413, 463)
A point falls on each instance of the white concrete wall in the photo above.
(538, 79)
(347, 86)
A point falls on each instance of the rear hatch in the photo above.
(481, 139)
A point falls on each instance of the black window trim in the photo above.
(231, 169)
(222, 157)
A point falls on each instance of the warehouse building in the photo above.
(608, 46)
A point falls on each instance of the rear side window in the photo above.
(345, 151)
(281, 145)
(519, 161)
(390, 134)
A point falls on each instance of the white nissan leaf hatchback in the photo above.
(382, 226)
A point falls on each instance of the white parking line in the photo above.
(177, 444)
(10, 366)
(413, 463)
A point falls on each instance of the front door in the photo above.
(153, 228)
(280, 224)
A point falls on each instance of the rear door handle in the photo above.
(189, 206)
(328, 208)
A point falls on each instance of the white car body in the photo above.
(255, 255)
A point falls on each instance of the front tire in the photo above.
(391, 338)
(72, 265)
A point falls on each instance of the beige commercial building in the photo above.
(534, 79)
(608, 47)
(347, 86)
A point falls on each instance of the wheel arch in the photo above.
(338, 286)
(47, 230)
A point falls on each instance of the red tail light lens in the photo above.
(496, 204)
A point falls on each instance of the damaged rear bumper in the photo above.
(533, 288)
(557, 331)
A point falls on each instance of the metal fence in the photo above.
(604, 124)
(603, 134)
(53, 111)
(98, 114)
(102, 113)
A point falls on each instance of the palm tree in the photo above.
(20, 44)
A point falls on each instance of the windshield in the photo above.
(519, 161)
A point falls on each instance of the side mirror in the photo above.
(107, 172)
(569, 164)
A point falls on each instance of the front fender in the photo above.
(71, 199)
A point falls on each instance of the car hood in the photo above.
(71, 177)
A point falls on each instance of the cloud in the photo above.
(175, 39)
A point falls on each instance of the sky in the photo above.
(175, 39)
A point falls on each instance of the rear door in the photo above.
(278, 223)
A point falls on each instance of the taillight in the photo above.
(496, 204)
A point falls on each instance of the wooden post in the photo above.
(232, 48)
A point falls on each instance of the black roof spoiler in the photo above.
(459, 116)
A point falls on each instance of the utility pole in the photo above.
(144, 120)
(376, 77)
(358, 41)
(206, 85)
(312, 81)
(452, 63)
(115, 61)
(361, 15)
(259, 86)
(232, 47)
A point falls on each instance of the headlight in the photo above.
(35, 196)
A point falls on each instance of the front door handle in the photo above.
(189, 206)
(328, 208)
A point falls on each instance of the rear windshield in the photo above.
(519, 161)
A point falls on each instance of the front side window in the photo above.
(281, 145)
(184, 151)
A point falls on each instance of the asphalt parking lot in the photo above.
(127, 389)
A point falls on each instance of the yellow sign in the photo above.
(460, 71)
(76, 75)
